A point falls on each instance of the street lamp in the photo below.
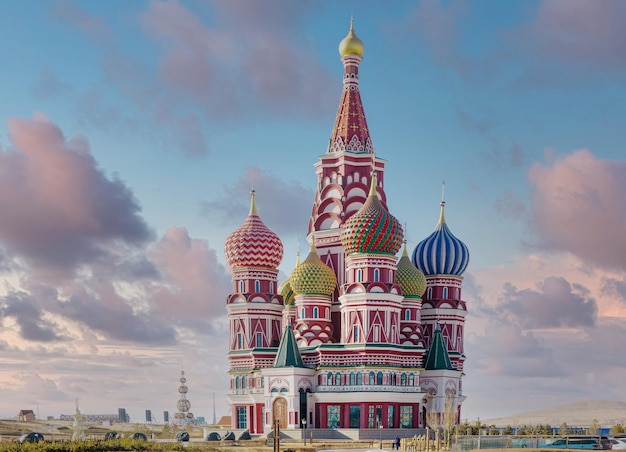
(304, 430)
(380, 434)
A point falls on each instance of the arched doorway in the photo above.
(279, 411)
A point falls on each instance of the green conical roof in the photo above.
(288, 354)
(438, 358)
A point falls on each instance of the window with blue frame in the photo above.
(242, 421)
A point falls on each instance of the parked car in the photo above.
(139, 435)
(183, 435)
(590, 443)
(111, 435)
(606, 442)
(618, 443)
(32, 437)
(213, 436)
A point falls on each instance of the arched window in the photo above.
(376, 275)
(352, 379)
(380, 378)
(411, 380)
(338, 379)
(356, 333)
(330, 379)
(257, 286)
(445, 293)
(358, 378)
(241, 287)
(271, 286)
(315, 312)
(407, 315)
(390, 275)
(403, 379)
(327, 316)
(372, 378)
(359, 275)
(302, 313)
(429, 293)
(237, 382)
(243, 382)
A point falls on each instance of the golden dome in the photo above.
(313, 277)
(411, 279)
(351, 44)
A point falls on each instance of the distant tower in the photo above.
(183, 404)
(214, 417)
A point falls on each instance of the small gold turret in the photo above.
(351, 44)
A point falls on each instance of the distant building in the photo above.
(99, 418)
(121, 414)
(224, 421)
(26, 415)
(356, 337)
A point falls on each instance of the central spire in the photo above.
(350, 132)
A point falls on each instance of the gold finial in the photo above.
(404, 252)
(442, 218)
(373, 184)
(252, 202)
(351, 44)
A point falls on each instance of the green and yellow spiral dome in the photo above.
(313, 277)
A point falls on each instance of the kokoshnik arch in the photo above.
(355, 337)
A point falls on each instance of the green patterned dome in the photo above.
(411, 279)
(286, 291)
(372, 229)
(313, 277)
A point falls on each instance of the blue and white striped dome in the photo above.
(441, 253)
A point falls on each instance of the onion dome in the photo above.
(253, 244)
(412, 280)
(441, 253)
(286, 291)
(313, 277)
(351, 44)
(372, 229)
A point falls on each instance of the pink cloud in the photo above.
(252, 56)
(195, 284)
(579, 32)
(577, 206)
(60, 208)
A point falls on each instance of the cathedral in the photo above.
(355, 337)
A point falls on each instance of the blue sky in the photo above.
(133, 131)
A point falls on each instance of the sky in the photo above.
(132, 133)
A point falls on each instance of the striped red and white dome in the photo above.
(253, 244)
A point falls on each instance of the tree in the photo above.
(618, 429)
(594, 428)
(564, 429)
(449, 418)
